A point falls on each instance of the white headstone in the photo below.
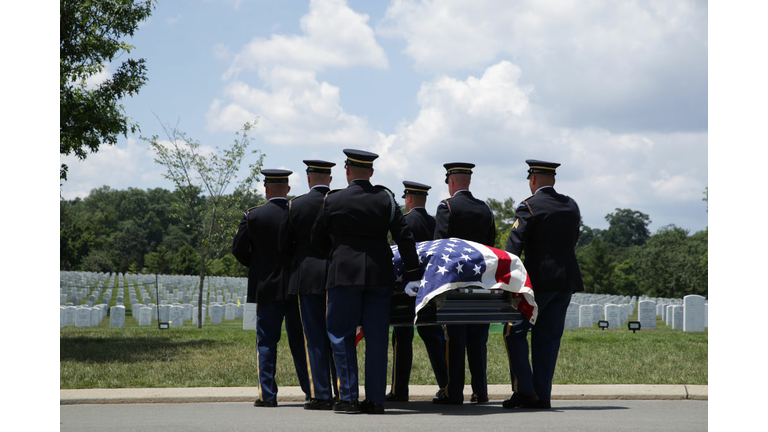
(677, 317)
(249, 316)
(177, 316)
(69, 315)
(613, 316)
(145, 316)
(117, 316)
(61, 316)
(646, 314)
(597, 312)
(585, 316)
(217, 313)
(693, 313)
(95, 316)
(230, 311)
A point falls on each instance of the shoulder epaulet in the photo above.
(385, 188)
(392, 203)
(524, 203)
(298, 196)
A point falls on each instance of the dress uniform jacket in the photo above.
(546, 229)
(422, 225)
(255, 246)
(308, 266)
(352, 230)
(466, 217)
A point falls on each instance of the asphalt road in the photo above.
(568, 415)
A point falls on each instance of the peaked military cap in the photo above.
(541, 167)
(414, 188)
(276, 175)
(319, 166)
(457, 168)
(360, 158)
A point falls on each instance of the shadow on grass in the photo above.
(127, 350)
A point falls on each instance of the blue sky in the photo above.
(617, 92)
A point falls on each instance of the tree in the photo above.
(212, 218)
(90, 38)
(596, 267)
(504, 217)
(627, 228)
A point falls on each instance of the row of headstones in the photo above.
(174, 314)
(691, 316)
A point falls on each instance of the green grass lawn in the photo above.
(223, 355)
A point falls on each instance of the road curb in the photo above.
(294, 394)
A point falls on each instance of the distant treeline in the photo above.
(137, 231)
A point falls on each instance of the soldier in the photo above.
(466, 217)
(546, 229)
(255, 246)
(352, 227)
(307, 280)
(422, 226)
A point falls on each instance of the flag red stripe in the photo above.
(503, 265)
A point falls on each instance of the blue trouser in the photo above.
(322, 374)
(545, 345)
(347, 308)
(269, 324)
(472, 338)
(402, 355)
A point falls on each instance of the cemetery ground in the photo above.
(223, 355)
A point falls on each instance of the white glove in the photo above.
(412, 288)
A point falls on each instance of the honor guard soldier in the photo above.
(466, 217)
(308, 270)
(256, 246)
(546, 229)
(352, 227)
(422, 226)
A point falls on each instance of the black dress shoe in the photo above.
(440, 393)
(391, 397)
(520, 400)
(349, 407)
(369, 407)
(478, 399)
(539, 405)
(261, 403)
(443, 400)
(318, 404)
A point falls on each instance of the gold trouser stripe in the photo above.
(258, 377)
(506, 347)
(394, 364)
(306, 352)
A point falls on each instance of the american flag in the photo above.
(454, 263)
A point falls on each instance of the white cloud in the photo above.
(293, 109)
(334, 36)
(120, 167)
(630, 65)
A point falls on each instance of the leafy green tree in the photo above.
(159, 262)
(129, 245)
(99, 260)
(504, 216)
(186, 261)
(627, 228)
(213, 217)
(596, 267)
(624, 279)
(90, 33)
(671, 263)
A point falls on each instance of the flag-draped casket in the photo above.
(452, 263)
